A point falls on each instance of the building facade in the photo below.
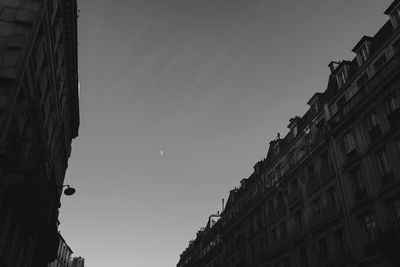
(77, 262)
(328, 193)
(64, 253)
(206, 249)
(39, 117)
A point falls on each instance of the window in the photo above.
(325, 164)
(278, 171)
(362, 80)
(392, 103)
(286, 262)
(341, 102)
(311, 172)
(356, 179)
(396, 45)
(380, 62)
(339, 242)
(323, 249)
(331, 192)
(294, 186)
(294, 131)
(273, 236)
(303, 257)
(283, 231)
(352, 90)
(341, 77)
(316, 206)
(370, 227)
(398, 144)
(395, 17)
(276, 150)
(396, 209)
(349, 143)
(315, 107)
(362, 54)
(298, 219)
(372, 120)
(383, 164)
(291, 158)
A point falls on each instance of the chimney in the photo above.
(333, 65)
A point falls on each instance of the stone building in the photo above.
(77, 262)
(328, 192)
(206, 249)
(39, 117)
(64, 253)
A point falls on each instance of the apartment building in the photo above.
(39, 117)
(328, 193)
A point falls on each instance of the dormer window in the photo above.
(293, 126)
(394, 13)
(294, 131)
(362, 49)
(276, 150)
(362, 54)
(341, 77)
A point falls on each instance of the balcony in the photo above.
(247, 207)
(295, 197)
(368, 90)
(394, 118)
(387, 243)
(339, 259)
(21, 155)
(375, 133)
(387, 178)
(325, 216)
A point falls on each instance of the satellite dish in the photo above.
(69, 191)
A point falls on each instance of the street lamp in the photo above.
(68, 191)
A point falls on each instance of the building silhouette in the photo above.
(64, 253)
(327, 193)
(39, 117)
(77, 262)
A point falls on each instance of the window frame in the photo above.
(349, 142)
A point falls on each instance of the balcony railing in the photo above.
(252, 202)
(323, 217)
(339, 259)
(393, 65)
(295, 197)
(21, 154)
(312, 184)
(276, 214)
(387, 177)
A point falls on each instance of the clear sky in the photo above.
(209, 83)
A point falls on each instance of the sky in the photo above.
(178, 100)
